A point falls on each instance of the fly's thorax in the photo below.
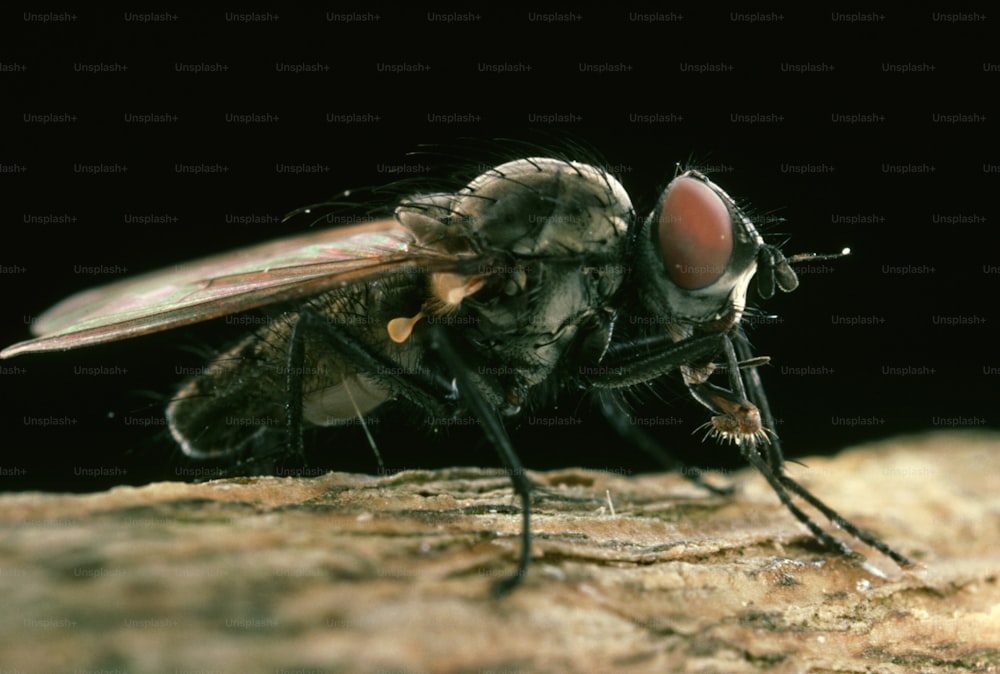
(555, 232)
(534, 331)
(546, 207)
(528, 209)
(546, 241)
(699, 252)
(534, 206)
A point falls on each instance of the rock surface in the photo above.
(350, 573)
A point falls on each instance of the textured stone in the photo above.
(361, 574)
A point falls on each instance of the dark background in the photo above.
(851, 152)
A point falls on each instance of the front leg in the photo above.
(619, 420)
(736, 419)
(743, 417)
(639, 361)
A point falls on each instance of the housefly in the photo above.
(535, 278)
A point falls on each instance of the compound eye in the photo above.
(696, 234)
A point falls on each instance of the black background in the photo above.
(924, 255)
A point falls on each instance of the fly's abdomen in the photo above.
(241, 401)
(238, 401)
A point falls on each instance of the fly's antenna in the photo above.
(817, 257)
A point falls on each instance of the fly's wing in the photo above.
(232, 282)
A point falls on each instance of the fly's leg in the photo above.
(755, 391)
(843, 523)
(619, 420)
(743, 416)
(736, 419)
(631, 363)
(473, 398)
(774, 471)
(433, 393)
(423, 390)
(421, 387)
(265, 461)
(301, 325)
(777, 484)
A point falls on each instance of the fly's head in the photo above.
(700, 252)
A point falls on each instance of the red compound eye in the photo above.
(696, 234)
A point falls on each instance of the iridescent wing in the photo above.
(232, 282)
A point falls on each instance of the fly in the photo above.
(535, 278)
